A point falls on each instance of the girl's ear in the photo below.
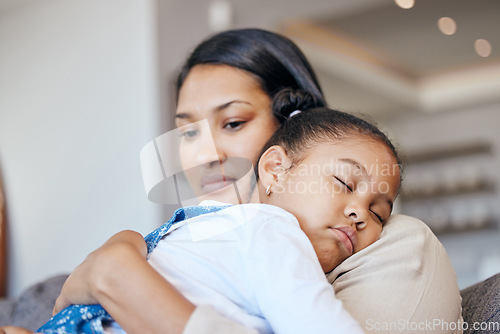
(273, 163)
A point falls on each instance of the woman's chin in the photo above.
(233, 193)
(217, 187)
(227, 194)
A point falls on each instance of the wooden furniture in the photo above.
(3, 246)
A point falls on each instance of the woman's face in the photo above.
(223, 114)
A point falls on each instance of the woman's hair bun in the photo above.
(288, 100)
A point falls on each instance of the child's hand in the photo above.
(14, 330)
(89, 280)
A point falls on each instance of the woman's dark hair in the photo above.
(273, 59)
(315, 124)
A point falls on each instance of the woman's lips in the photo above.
(214, 182)
(347, 235)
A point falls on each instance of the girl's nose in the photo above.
(355, 213)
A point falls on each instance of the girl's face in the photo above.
(341, 193)
(236, 123)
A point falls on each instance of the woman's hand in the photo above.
(100, 268)
(118, 276)
(14, 330)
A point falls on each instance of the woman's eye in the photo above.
(343, 183)
(234, 125)
(189, 134)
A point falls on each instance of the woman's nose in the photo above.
(209, 151)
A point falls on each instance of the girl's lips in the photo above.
(214, 182)
(347, 235)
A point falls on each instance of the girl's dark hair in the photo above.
(273, 59)
(315, 124)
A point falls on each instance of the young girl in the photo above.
(326, 180)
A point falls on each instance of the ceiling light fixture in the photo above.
(220, 15)
(405, 4)
(447, 25)
(482, 47)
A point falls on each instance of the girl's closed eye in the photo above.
(379, 217)
(344, 183)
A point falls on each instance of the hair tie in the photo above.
(293, 113)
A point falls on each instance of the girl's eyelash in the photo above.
(345, 184)
(379, 217)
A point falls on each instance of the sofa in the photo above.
(480, 304)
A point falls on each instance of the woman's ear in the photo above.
(273, 163)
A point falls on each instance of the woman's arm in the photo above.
(118, 277)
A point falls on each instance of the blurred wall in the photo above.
(78, 100)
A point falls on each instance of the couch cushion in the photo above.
(34, 306)
(481, 303)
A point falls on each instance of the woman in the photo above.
(272, 239)
(229, 80)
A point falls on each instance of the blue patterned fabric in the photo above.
(76, 319)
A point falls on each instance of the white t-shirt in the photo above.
(254, 265)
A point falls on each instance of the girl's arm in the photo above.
(118, 277)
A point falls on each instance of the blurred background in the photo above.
(85, 84)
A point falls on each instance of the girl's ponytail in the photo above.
(288, 101)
